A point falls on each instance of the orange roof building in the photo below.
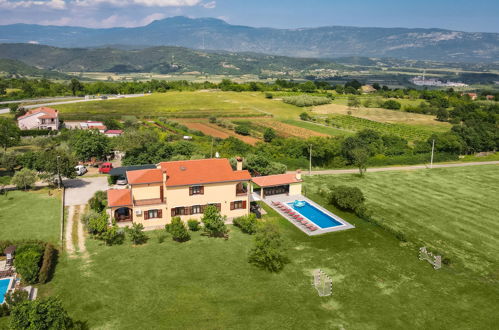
(39, 118)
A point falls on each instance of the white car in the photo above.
(121, 181)
(80, 170)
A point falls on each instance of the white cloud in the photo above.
(209, 5)
(153, 17)
(146, 3)
(52, 4)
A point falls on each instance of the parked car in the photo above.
(80, 170)
(105, 168)
(122, 181)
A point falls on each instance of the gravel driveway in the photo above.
(79, 191)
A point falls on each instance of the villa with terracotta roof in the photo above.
(39, 118)
(180, 188)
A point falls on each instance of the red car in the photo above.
(105, 168)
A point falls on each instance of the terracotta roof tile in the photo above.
(144, 176)
(47, 111)
(201, 171)
(275, 180)
(119, 197)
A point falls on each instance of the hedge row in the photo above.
(49, 261)
(37, 132)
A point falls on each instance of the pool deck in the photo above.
(289, 199)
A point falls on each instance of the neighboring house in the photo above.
(473, 96)
(113, 132)
(181, 188)
(39, 118)
(366, 89)
(98, 125)
(490, 97)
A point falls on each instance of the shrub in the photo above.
(242, 130)
(391, 105)
(213, 119)
(15, 298)
(178, 230)
(214, 223)
(113, 235)
(111, 179)
(269, 134)
(161, 238)
(247, 223)
(193, 224)
(45, 313)
(98, 202)
(27, 262)
(48, 264)
(269, 95)
(136, 233)
(346, 198)
(305, 116)
(268, 252)
(96, 223)
(24, 179)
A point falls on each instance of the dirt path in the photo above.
(69, 229)
(81, 232)
(400, 168)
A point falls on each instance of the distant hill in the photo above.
(322, 42)
(166, 59)
(17, 68)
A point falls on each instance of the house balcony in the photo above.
(241, 193)
(151, 201)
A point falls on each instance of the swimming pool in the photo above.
(315, 215)
(4, 285)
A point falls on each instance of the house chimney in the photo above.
(239, 161)
(298, 175)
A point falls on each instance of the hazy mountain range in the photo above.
(164, 59)
(322, 42)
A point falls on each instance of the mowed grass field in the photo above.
(452, 210)
(30, 215)
(378, 283)
(181, 105)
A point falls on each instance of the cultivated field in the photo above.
(384, 116)
(452, 210)
(30, 215)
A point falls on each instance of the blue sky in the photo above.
(478, 15)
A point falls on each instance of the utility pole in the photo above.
(310, 161)
(212, 147)
(432, 151)
(58, 173)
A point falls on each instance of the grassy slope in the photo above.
(30, 215)
(319, 128)
(453, 210)
(378, 282)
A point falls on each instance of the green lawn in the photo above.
(30, 215)
(182, 104)
(378, 282)
(453, 210)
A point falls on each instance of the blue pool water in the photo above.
(4, 285)
(315, 215)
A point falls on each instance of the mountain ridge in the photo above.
(318, 42)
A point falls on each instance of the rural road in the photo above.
(38, 100)
(398, 168)
(6, 110)
(82, 100)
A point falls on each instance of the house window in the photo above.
(196, 209)
(238, 205)
(43, 121)
(180, 211)
(153, 214)
(196, 190)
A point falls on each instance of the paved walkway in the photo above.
(399, 168)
